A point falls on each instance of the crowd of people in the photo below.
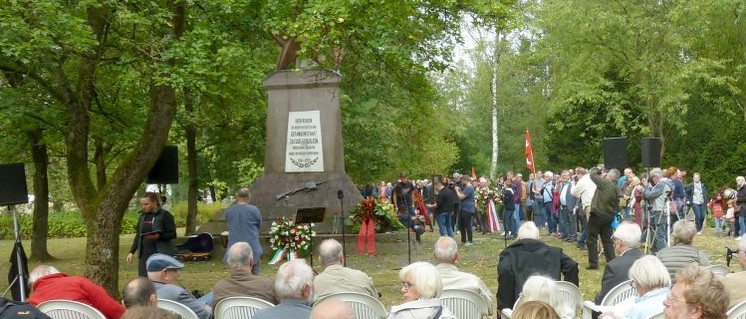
(583, 206)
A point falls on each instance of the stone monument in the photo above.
(304, 156)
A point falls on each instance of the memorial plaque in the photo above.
(304, 152)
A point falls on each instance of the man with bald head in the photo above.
(139, 292)
(338, 278)
(446, 253)
(332, 309)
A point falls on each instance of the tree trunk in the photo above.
(39, 251)
(495, 122)
(98, 160)
(192, 191)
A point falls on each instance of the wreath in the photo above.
(289, 240)
(382, 212)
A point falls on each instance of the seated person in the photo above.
(49, 283)
(139, 292)
(294, 287)
(651, 280)
(446, 253)
(338, 278)
(148, 312)
(421, 288)
(682, 253)
(697, 293)
(242, 282)
(626, 240)
(526, 257)
(541, 288)
(163, 270)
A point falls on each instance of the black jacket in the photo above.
(15, 310)
(616, 272)
(528, 257)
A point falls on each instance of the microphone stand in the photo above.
(341, 196)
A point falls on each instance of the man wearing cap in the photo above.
(163, 271)
(49, 284)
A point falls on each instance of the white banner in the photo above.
(304, 152)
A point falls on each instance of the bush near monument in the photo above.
(382, 211)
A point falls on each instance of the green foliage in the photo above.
(66, 224)
(204, 212)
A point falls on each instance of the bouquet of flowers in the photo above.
(289, 240)
(484, 195)
(382, 212)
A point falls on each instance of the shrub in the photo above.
(204, 212)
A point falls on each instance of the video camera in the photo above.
(729, 255)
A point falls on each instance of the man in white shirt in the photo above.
(584, 189)
(446, 254)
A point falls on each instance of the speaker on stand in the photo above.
(651, 152)
(165, 170)
(615, 152)
(13, 191)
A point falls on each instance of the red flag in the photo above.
(473, 172)
(529, 153)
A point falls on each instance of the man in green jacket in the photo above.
(604, 205)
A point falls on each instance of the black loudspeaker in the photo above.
(651, 152)
(166, 169)
(615, 152)
(13, 184)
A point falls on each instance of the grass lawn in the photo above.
(480, 259)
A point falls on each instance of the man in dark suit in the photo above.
(526, 257)
(626, 247)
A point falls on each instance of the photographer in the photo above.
(465, 193)
(657, 189)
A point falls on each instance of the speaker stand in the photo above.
(21, 276)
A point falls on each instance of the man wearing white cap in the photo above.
(163, 271)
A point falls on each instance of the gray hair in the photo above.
(137, 292)
(629, 234)
(548, 174)
(332, 309)
(544, 289)
(292, 277)
(239, 255)
(425, 277)
(41, 271)
(656, 172)
(683, 232)
(742, 244)
(649, 272)
(330, 252)
(445, 250)
(613, 174)
(243, 193)
(528, 230)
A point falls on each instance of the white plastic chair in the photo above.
(464, 304)
(177, 308)
(507, 313)
(239, 307)
(719, 270)
(68, 309)
(616, 295)
(364, 306)
(738, 311)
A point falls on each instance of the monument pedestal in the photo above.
(304, 146)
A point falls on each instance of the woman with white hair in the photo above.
(682, 252)
(652, 282)
(421, 287)
(544, 289)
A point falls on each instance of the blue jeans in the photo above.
(516, 223)
(699, 215)
(539, 217)
(719, 225)
(742, 225)
(658, 222)
(207, 299)
(444, 224)
(518, 209)
(548, 215)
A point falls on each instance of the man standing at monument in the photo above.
(244, 221)
(465, 193)
(403, 200)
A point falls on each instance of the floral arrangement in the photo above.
(484, 195)
(289, 240)
(382, 212)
